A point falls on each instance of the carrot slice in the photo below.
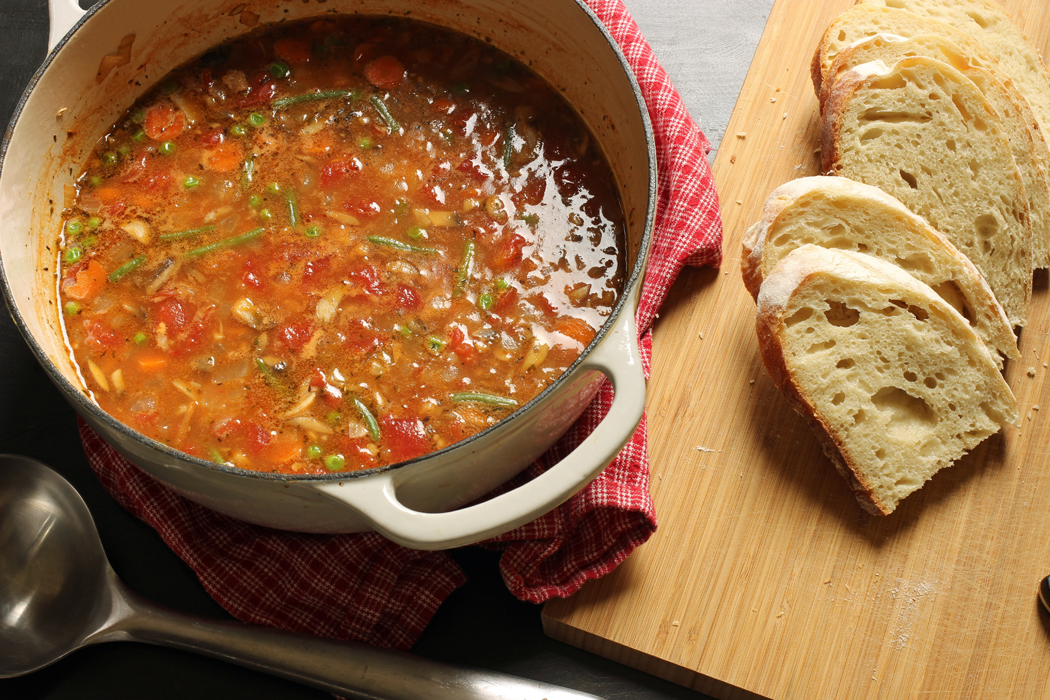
(88, 282)
(108, 195)
(292, 50)
(164, 123)
(576, 328)
(385, 72)
(284, 449)
(225, 158)
(152, 361)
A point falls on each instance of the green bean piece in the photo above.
(179, 235)
(385, 114)
(463, 271)
(293, 206)
(371, 424)
(225, 243)
(283, 102)
(216, 456)
(435, 344)
(268, 375)
(479, 397)
(394, 243)
(312, 231)
(126, 268)
(508, 146)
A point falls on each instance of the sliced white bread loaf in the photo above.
(838, 213)
(987, 22)
(894, 381)
(922, 131)
(864, 21)
(1026, 139)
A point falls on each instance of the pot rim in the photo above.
(627, 301)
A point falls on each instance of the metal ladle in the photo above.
(59, 593)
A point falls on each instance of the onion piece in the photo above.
(137, 229)
(310, 423)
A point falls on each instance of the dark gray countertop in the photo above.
(706, 47)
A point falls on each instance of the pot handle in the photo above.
(375, 497)
(63, 15)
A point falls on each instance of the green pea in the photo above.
(167, 148)
(94, 222)
(138, 116)
(273, 188)
(95, 181)
(254, 201)
(314, 452)
(364, 142)
(435, 344)
(169, 87)
(485, 301)
(139, 136)
(238, 130)
(74, 227)
(461, 88)
(88, 241)
(72, 308)
(279, 70)
(190, 182)
(256, 119)
(265, 214)
(417, 233)
(333, 417)
(109, 158)
(140, 338)
(312, 231)
(334, 463)
(502, 284)
(403, 331)
(72, 255)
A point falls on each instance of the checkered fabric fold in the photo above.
(365, 588)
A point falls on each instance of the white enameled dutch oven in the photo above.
(113, 53)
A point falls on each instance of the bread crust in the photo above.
(990, 320)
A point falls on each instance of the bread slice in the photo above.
(838, 213)
(894, 381)
(987, 22)
(865, 21)
(921, 131)
(1030, 151)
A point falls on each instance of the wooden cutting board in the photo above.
(765, 577)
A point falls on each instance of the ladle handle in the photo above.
(345, 668)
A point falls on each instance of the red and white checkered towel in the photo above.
(365, 588)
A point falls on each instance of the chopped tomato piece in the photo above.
(315, 271)
(101, 338)
(385, 72)
(460, 343)
(87, 282)
(407, 298)
(365, 52)
(213, 137)
(295, 335)
(508, 252)
(174, 314)
(360, 337)
(164, 123)
(292, 50)
(335, 171)
(403, 438)
(260, 94)
(368, 279)
(506, 302)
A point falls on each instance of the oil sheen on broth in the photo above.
(337, 244)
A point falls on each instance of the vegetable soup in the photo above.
(337, 244)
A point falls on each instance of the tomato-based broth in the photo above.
(337, 244)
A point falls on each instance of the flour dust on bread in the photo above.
(923, 132)
(1028, 146)
(895, 382)
(987, 22)
(838, 213)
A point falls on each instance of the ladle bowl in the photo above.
(58, 593)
